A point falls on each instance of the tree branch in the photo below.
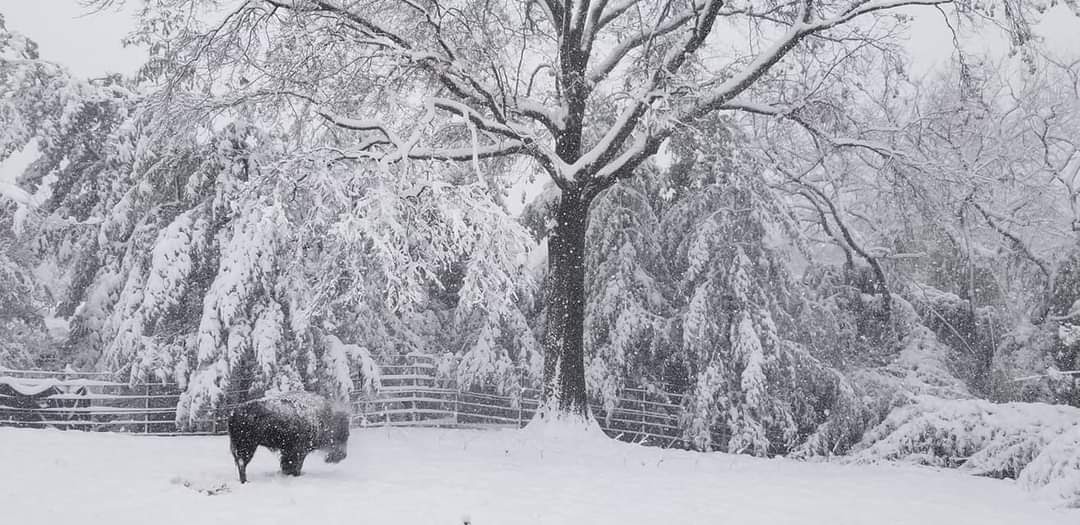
(1044, 267)
(764, 60)
(613, 141)
(619, 53)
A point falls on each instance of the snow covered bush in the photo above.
(1035, 443)
(1039, 359)
(1054, 474)
(977, 436)
(970, 333)
(919, 363)
(903, 364)
(1029, 365)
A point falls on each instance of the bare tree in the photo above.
(965, 183)
(584, 90)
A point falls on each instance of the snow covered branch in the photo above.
(1018, 244)
(616, 56)
(716, 98)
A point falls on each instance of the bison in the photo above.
(294, 424)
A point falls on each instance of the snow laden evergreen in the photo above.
(691, 292)
(498, 348)
(751, 385)
(235, 261)
(34, 91)
(374, 288)
(24, 339)
(214, 269)
(688, 294)
(67, 120)
(628, 312)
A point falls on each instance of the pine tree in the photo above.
(628, 316)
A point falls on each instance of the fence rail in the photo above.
(410, 394)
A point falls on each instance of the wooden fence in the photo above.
(95, 401)
(410, 393)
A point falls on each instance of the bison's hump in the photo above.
(309, 408)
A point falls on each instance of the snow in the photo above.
(15, 193)
(988, 438)
(35, 386)
(1036, 443)
(551, 426)
(28, 387)
(296, 406)
(1054, 474)
(434, 476)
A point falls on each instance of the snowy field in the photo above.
(429, 477)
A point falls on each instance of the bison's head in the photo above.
(339, 437)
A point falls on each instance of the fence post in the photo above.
(456, 406)
(521, 407)
(642, 406)
(413, 371)
(146, 410)
(521, 396)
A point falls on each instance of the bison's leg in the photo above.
(292, 460)
(242, 454)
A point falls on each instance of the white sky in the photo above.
(90, 44)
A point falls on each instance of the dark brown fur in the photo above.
(294, 424)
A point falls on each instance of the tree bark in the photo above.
(564, 345)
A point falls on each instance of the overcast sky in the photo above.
(90, 44)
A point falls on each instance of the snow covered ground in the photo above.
(429, 477)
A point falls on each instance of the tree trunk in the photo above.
(564, 354)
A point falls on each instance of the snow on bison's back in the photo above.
(295, 423)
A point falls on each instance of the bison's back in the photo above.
(280, 422)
